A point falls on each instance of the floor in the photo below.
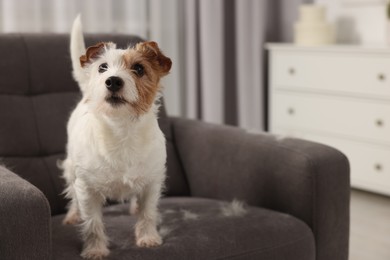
(370, 226)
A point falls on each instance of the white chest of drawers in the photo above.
(337, 95)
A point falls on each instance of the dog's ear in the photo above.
(94, 51)
(152, 52)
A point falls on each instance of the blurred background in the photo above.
(216, 46)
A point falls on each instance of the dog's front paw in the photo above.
(95, 253)
(134, 209)
(71, 219)
(149, 240)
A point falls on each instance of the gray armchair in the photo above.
(297, 192)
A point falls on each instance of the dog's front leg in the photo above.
(72, 216)
(90, 206)
(146, 228)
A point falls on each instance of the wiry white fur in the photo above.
(233, 209)
(77, 48)
(188, 215)
(164, 231)
(111, 153)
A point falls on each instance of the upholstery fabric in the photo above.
(305, 179)
(195, 228)
(25, 227)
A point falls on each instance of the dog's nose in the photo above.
(114, 84)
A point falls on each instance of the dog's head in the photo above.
(122, 81)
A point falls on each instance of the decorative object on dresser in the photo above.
(312, 28)
(336, 95)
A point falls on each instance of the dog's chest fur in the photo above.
(116, 158)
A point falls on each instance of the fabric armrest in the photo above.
(25, 229)
(307, 180)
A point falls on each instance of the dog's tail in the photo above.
(77, 49)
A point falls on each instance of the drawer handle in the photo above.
(379, 122)
(291, 71)
(381, 77)
(378, 167)
(291, 111)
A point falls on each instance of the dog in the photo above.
(115, 147)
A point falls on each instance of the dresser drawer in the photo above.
(370, 164)
(337, 72)
(327, 114)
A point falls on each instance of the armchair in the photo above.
(297, 192)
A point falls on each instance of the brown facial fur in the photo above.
(156, 65)
(151, 52)
(91, 53)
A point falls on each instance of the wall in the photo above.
(358, 21)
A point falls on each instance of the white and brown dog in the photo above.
(115, 147)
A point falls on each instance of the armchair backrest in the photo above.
(37, 95)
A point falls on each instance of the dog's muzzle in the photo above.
(114, 84)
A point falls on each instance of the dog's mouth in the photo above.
(115, 100)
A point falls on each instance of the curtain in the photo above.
(217, 46)
(225, 72)
(122, 16)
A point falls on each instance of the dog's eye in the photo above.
(103, 67)
(138, 69)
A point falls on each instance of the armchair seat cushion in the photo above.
(197, 228)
